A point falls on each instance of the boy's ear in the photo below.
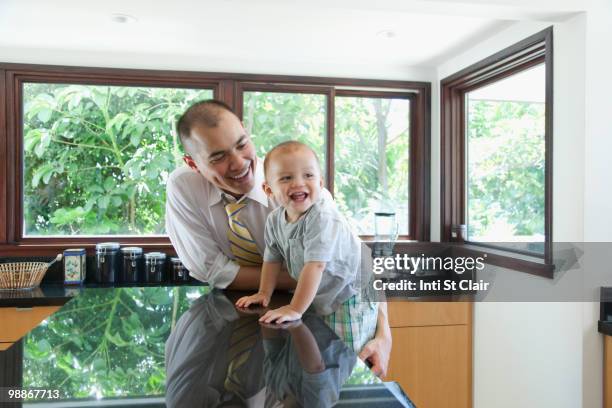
(267, 189)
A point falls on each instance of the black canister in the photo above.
(107, 262)
(179, 272)
(155, 267)
(132, 264)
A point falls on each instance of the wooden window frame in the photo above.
(227, 87)
(531, 51)
(416, 151)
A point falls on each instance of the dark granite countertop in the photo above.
(46, 295)
(176, 347)
(604, 325)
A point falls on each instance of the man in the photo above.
(223, 179)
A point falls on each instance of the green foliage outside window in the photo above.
(371, 163)
(97, 157)
(274, 117)
(371, 159)
(506, 170)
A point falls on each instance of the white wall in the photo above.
(168, 61)
(531, 354)
(598, 170)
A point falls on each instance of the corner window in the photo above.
(505, 160)
(496, 143)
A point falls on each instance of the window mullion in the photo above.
(329, 141)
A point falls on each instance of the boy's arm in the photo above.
(305, 291)
(307, 349)
(307, 286)
(269, 277)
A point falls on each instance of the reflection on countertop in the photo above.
(152, 344)
(46, 295)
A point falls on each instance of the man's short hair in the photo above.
(205, 113)
(289, 145)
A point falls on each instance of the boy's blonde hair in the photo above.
(290, 145)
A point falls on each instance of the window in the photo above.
(505, 158)
(367, 169)
(274, 117)
(497, 149)
(96, 158)
(372, 167)
(88, 150)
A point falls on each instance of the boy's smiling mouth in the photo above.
(298, 196)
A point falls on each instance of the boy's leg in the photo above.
(354, 322)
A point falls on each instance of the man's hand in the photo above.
(377, 352)
(256, 299)
(281, 315)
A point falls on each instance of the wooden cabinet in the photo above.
(432, 352)
(17, 322)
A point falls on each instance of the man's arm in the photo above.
(248, 279)
(191, 236)
(378, 350)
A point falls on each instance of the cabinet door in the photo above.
(433, 365)
(402, 314)
(17, 322)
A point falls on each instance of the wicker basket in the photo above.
(22, 275)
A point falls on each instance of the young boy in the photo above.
(318, 246)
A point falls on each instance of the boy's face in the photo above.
(225, 155)
(294, 179)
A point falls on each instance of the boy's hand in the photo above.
(256, 299)
(280, 315)
(282, 326)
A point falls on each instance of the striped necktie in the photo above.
(241, 241)
(244, 337)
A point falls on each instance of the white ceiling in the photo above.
(316, 32)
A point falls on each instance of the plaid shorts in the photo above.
(354, 322)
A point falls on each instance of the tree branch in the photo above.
(82, 145)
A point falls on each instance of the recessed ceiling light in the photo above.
(122, 18)
(386, 34)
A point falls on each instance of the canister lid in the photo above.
(108, 245)
(131, 250)
(175, 260)
(74, 251)
(155, 255)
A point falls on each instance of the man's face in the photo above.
(294, 179)
(224, 155)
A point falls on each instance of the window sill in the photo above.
(505, 259)
(38, 246)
